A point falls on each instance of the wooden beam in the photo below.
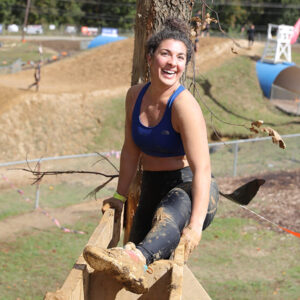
(76, 286)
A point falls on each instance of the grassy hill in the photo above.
(230, 93)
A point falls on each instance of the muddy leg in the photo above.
(170, 218)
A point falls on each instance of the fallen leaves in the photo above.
(276, 138)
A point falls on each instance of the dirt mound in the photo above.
(8, 97)
(105, 67)
(64, 116)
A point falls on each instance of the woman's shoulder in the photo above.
(132, 94)
(135, 89)
(186, 99)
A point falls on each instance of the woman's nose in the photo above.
(172, 60)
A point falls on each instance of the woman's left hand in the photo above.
(191, 236)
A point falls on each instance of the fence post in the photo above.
(37, 192)
(236, 149)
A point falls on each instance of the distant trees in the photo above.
(237, 13)
(121, 13)
(97, 13)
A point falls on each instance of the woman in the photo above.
(164, 128)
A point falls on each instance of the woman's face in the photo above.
(168, 62)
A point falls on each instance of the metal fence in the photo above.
(233, 158)
(13, 68)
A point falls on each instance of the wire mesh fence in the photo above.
(234, 158)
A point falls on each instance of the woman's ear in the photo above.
(149, 58)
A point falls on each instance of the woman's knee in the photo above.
(176, 207)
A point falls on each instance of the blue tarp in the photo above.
(267, 73)
(102, 40)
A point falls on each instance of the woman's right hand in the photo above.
(114, 203)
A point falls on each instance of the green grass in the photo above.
(41, 261)
(256, 157)
(13, 50)
(233, 94)
(236, 259)
(239, 259)
(296, 56)
(111, 134)
(51, 196)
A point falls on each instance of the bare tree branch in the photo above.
(40, 174)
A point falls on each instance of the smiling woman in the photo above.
(165, 129)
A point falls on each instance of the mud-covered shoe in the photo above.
(123, 264)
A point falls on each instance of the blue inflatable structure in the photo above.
(267, 74)
(102, 40)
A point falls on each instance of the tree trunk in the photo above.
(150, 16)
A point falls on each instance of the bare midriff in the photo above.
(155, 163)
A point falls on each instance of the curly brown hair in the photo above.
(176, 29)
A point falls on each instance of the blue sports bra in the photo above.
(160, 140)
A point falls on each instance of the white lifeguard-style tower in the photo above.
(278, 76)
(278, 46)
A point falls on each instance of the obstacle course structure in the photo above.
(171, 279)
(108, 35)
(278, 76)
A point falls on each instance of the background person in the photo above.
(37, 77)
(250, 33)
(164, 128)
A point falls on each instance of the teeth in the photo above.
(169, 72)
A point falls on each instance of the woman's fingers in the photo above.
(191, 239)
(113, 203)
(105, 207)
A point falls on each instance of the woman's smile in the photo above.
(168, 62)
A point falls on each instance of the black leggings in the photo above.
(164, 210)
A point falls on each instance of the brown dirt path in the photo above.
(277, 200)
(13, 227)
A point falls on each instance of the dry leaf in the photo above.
(257, 123)
(276, 138)
(254, 130)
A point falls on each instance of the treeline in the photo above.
(94, 13)
(236, 14)
(121, 13)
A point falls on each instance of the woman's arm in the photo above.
(129, 155)
(189, 121)
(130, 152)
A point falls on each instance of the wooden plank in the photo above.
(76, 284)
(169, 280)
(192, 289)
(103, 233)
(103, 286)
(177, 273)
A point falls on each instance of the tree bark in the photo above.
(150, 17)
